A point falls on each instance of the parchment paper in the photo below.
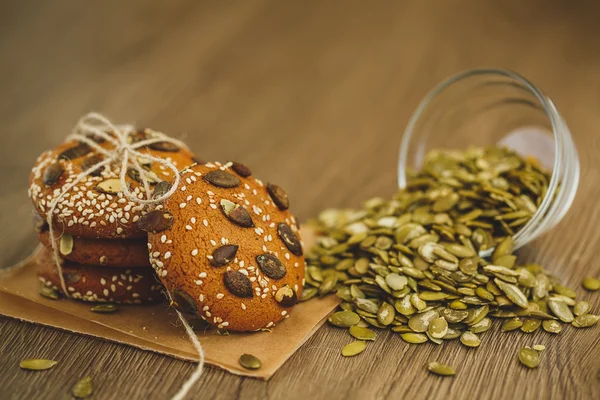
(156, 328)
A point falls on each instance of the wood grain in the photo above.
(314, 96)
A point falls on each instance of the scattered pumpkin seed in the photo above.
(362, 333)
(440, 369)
(105, 308)
(249, 361)
(539, 347)
(529, 357)
(585, 321)
(590, 283)
(83, 388)
(354, 348)
(551, 326)
(37, 364)
(344, 319)
(49, 292)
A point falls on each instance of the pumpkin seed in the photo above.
(362, 333)
(513, 293)
(104, 308)
(413, 338)
(110, 186)
(249, 361)
(440, 369)
(470, 339)
(530, 325)
(529, 357)
(343, 319)
(239, 168)
(52, 174)
(581, 308)
(83, 388)
(539, 347)
(48, 292)
(585, 321)
(66, 244)
(561, 310)
(354, 348)
(37, 364)
(279, 196)
(590, 283)
(236, 213)
(438, 328)
(386, 314)
(551, 326)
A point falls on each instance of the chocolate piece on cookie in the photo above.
(137, 285)
(232, 251)
(96, 207)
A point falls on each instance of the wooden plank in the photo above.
(313, 96)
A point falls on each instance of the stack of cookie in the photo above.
(103, 251)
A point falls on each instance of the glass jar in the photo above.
(487, 107)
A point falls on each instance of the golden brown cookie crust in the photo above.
(120, 253)
(98, 284)
(85, 211)
(183, 254)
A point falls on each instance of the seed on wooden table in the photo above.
(513, 293)
(343, 319)
(420, 322)
(440, 369)
(581, 308)
(561, 310)
(413, 338)
(362, 333)
(249, 361)
(470, 339)
(83, 388)
(539, 347)
(104, 308)
(354, 348)
(37, 364)
(590, 283)
(585, 321)
(531, 325)
(529, 357)
(511, 324)
(551, 326)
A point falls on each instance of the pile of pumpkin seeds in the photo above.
(412, 264)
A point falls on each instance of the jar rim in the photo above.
(547, 107)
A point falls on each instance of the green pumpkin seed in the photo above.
(83, 388)
(362, 333)
(104, 308)
(585, 321)
(440, 369)
(505, 247)
(37, 364)
(551, 326)
(529, 357)
(590, 283)
(413, 338)
(511, 324)
(470, 339)
(343, 319)
(581, 308)
(481, 326)
(354, 348)
(513, 293)
(561, 310)
(48, 292)
(386, 313)
(249, 361)
(420, 322)
(438, 328)
(530, 325)
(417, 302)
(539, 347)
(308, 293)
(395, 281)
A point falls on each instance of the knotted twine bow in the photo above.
(124, 152)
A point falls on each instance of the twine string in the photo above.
(127, 154)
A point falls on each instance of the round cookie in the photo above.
(96, 207)
(227, 249)
(99, 284)
(123, 253)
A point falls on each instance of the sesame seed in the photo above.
(243, 306)
(220, 295)
(163, 238)
(198, 200)
(188, 227)
(201, 297)
(167, 255)
(202, 275)
(182, 205)
(193, 220)
(205, 222)
(195, 252)
(283, 312)
(164, 272)
(213, 206)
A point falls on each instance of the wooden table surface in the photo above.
(313, 96)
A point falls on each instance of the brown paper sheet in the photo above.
(157, 328)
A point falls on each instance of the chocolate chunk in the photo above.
(160, 189)
(39, 223)
(286, 296)
(222, 179)
(279, 196)
(75, 152)
(271, 266)
(89, 162)
(290, 239)
(156, 221)
(184, 302)
(236, 213)
(164, 146)
(237, 283)
(52, 174)
(241, 169)
(224, 255)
